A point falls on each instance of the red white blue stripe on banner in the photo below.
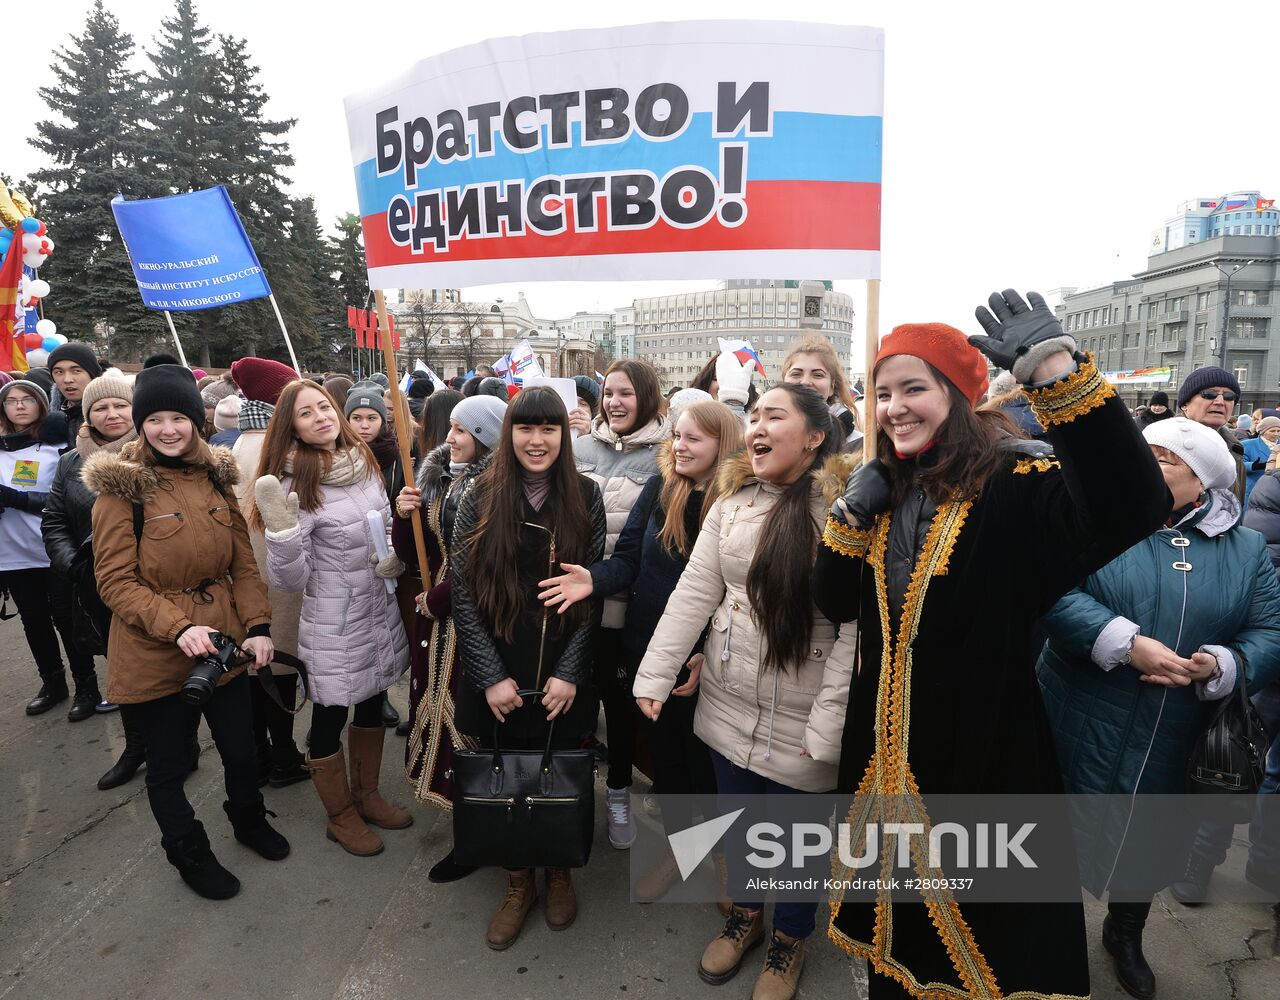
(718, 149)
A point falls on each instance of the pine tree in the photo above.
(327, 311)
(97, 146)
(348, 251)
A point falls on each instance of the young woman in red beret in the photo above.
(946, 550)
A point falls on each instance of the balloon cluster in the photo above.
(19, 223)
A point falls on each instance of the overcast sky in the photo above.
(1022, 148)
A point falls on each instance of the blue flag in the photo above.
(189, 251)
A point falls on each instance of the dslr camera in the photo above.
(199, 685)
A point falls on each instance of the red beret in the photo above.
(944, 347)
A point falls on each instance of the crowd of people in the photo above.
(715, 572)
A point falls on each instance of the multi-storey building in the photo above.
(678, 333)
(1176, 312)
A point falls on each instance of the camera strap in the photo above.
(268, 681)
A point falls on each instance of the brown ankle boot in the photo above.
(505, 926)
(743, 930)
(657, 881)
(562, 901)
(782, 964)
(366, 765)
(329, 775)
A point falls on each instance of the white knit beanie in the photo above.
(227, 415)
(1201, 448)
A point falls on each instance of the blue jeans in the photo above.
(793, 919)
(1214, 838)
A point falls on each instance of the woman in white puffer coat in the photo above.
(351, 638)
(775, 685)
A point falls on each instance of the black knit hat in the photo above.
(81, 354)
(420, 388)
(1206, 378)
(166, 387)
(1159, 398)
(588, 391)
(160, 359)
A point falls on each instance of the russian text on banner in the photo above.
(189, 251)
(676, 150)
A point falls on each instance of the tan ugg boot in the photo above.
(743, 930)
(505, 926)
(657, 881)
(782, 964)
(329, 775)
(366, 765)
(562, 901)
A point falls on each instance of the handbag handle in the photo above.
(524, 693)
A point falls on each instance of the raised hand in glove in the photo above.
(9, 497)
(279, 512)
(389, 568)
(734, 378)
(1020, 337)
(867, 492)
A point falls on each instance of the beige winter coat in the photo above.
(758, 720)
(620, 466)
(286, 608)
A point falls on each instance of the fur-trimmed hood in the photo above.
(122, 475)
(829, 480)
(432, 471)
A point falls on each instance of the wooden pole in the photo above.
(287, 342)
(403, 424)
(873, 348)
(177, 343)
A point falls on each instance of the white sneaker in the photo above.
(622, 826)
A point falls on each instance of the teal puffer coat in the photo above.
(1116, 734)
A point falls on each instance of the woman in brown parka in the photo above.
(173, 563)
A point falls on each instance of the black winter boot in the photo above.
(133, 757)
(195, 862)
(51, 692)
(288, 766)
(85, 704)
(390, 717)
(253, 830)
(1191, 889)
(1122, 937)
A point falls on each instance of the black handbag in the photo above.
(1230, 755)
(523, 808)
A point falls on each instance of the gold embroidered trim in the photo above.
(889, 774)
(1060, 403)
(1025, 466)
(840, 537)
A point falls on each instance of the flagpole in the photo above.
(404, 422)
(181, 356)
(287, 342)
(872, 349)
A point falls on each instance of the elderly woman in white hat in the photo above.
(1137, 656)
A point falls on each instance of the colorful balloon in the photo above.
(30, 225)
(47, 328)
(32, 341)
(38, 358)
(49, 344)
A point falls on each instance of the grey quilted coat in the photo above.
(350, 637)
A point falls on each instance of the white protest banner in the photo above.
(565, 388)
(698, 149)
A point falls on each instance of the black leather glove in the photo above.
(867, 492)
(9, 497)
(1020, 336)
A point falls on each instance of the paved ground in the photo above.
(90, 909)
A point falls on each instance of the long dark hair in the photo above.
(493, 548)
(778, 579)
(433, 427)
(966, 455)
(707, 375)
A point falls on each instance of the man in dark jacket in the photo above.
(1156, 409)
(73, 366)
(1208, 396)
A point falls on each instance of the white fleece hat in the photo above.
(1201, 448)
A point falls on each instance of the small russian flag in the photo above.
(1231, 203)
(599, 378)
(747, 353)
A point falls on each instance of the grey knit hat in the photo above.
(26, 386)
(111, 385)
(481, 416)
(366, 394)
(215, 392)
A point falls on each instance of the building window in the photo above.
(1151, 339)
(1242, 375)
(1202, 300)
(1151, 310)
(1177, 305)
(1201, 330)
(1128, 313)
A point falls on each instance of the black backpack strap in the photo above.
(137, 521)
